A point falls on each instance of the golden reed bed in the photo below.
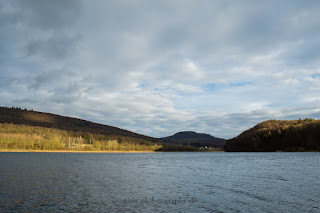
(71, 151)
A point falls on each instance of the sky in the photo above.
(160, 67)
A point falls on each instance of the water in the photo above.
(160, 182)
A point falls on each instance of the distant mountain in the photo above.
(277, 135)
(194, 139)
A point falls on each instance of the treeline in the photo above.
(176, 148)
(275, 135)
(19, 108)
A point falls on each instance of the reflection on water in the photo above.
(160, 182)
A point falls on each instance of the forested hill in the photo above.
(277, 135)
(33, 118)
(194, 139)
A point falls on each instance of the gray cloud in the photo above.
(54, 47)
(49, 78)
(48, 14)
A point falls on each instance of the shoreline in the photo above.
(71, 151)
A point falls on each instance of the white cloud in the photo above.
(191, 71)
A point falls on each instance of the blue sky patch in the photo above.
(317, 75)
(240, 84)
(210, 87)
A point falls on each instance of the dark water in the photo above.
(160, 182)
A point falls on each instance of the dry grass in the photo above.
(71, 151)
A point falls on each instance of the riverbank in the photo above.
(71, 151)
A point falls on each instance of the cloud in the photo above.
(53, 47)
(158, 67)
(48, 14)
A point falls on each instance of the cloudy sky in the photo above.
(159, 67)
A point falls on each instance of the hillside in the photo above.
(33, 118)
(194, 139)
(23, 129)
(278, 135)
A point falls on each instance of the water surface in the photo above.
(159, 182)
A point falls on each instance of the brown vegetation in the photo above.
(29, 130)
(33, 118)
(23, 137)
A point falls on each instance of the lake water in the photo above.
(160, 182)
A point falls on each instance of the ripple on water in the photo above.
(219, 182)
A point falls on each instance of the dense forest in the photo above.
(277, 135)
(30, 130)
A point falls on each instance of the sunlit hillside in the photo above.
(23, 129)
(276, 135)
